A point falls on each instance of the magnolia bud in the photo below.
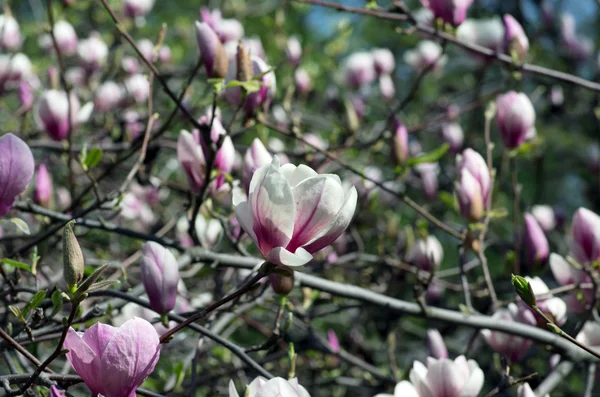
(282, 284)
(42, 194)
(244, 64)
(435, 344)
(212, 52)
(400, 142)
(515, 39)
(536, 243)
(72, 256)
(524, 290)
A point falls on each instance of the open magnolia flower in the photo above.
(292, 212)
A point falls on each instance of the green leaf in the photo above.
(17, 264)
(21, 225)
(34, 302)
(57, 302)
(93, 157)
(498, 213)
(431, 157)
(250, 85)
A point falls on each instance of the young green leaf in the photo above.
(34, 302)
(17, 264)
(431, 157)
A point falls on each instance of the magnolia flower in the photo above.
(435, 344)
(514, 348)
(524, 390)
(14, 68)
(536, 243)
(545, 216)
(192, 159)
(114, 361)
(487, 33)
(276, 387)
(427, 54)
(256, 156)
(453, 12)
(66, 38)
(292, 212)
(16, 170)
(590, 335)
(585, 230)
(293, 50)
(10, 34)
(400, 141)
(108, 96)
(566, 274)
(447, 378)
(515, 39)
(384, 61)
(453, 135)
(92, 52)
(209, 231)
(302, 81)
(427, 254)
(137, 87)
(42, 194)
(160, 275)
(137, 8)
(428, 172)
(402, 389)
(26, 96)
(56, 392)
(52, 113)
(212, 52)
(359, 69)
(516, 118)
(262, 98)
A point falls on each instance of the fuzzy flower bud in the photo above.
(212, 52)
(160, 275)
(73, 263)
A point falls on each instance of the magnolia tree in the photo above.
(298, 198)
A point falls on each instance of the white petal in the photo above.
(281, 256)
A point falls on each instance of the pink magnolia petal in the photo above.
(83, 359)
(16, 169)
(444, 379)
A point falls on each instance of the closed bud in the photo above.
(470, 200)
(585, 229)
(72, 257)
(536, 243)
(516, 118)
(160, 276)
(515, 39)
(400, 142)
(212, 52)
(244, 64)
(43, 187)
(293, 50)
(523, 289)
(281, 284)
(435, 344)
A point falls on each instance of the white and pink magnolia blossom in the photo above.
(579, 47)
(585, 231)
(137, 8)
(590, 335)
(256, 156)
(428, 172)
(276, 387)
(447, 378)
(453, 12)
(427, 253)
(384, 61)
(137, 87)
(545, 216)
(566, 274)
(292, 212)
(453, 135)
(10, 33)
(52, 113)
(473, 185)
(66, 38)
(525, 390)
(359, 69)
(387, 88)
(427, 54)
(302, 81)
(92, 52)
(400, 141)
(436, 346)
(516, 118)
(536, 244)
(208, 230)
(488, 33)
(14, 68)
(515, 39)
(514, 348)
(402, 389)
(293, 50)
(16, 170)
(108, 96)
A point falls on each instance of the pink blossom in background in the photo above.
(16, 170)
(114, 361)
